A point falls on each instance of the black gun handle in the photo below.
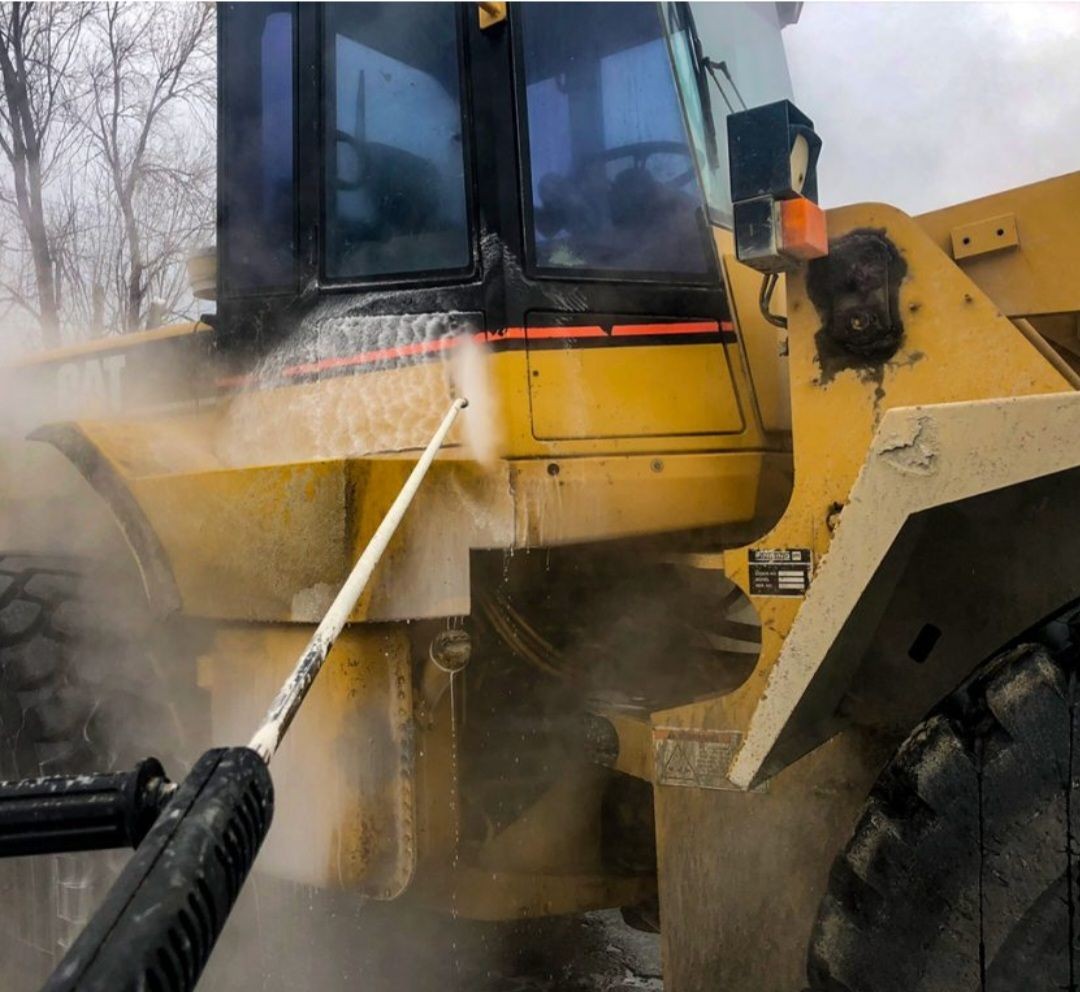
(162, 917)
(81, 812)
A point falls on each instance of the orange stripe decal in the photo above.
(378, 355)
(571, 332)
(556, 333)
(565, 333)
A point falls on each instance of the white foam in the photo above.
(470, 375)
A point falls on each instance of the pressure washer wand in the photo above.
(288, 701)
(163, 915)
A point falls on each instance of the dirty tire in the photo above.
(961, 873)
(78, 693)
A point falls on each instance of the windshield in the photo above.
(610, 171)
(743, 43)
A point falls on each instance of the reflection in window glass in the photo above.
(612, 177)
(395, 183)
(258, 146)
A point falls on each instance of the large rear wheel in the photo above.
(961, 873)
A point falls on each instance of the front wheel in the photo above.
(962, 871)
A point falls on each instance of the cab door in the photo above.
(611, 279)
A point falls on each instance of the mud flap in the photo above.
(741, 874)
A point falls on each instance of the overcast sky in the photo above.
(926, 104)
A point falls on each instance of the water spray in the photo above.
(194, 843)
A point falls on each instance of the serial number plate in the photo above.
(779, 571)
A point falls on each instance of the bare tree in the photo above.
(108, 165)
(38, 46)
(174, 210)
(89, 251)
(151, 90)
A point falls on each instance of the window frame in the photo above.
(417, 278)
(706, 277)
(227, 288)
(669, 11)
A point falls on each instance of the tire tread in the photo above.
(965, 828)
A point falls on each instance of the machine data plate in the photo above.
(779, 571)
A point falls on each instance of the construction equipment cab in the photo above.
(551, 181)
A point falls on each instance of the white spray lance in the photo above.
(289, 699)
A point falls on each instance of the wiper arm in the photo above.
(711, 67)
(683, 11)
(705, 67)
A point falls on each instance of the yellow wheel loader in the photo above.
(738, 598)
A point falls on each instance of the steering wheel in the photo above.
(642, 151)
(344, 138)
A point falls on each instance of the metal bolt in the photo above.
(451, 649)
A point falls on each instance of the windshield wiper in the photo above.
(711, 66)
(704, 69)
(681, 12)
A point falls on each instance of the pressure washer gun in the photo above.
(195, 842)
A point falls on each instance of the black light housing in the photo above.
(773, 152)
(760, 143)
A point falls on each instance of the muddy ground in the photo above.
(286, 939)
(273, 947)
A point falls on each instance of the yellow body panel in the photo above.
(680, 390)
(947, 322)
(1038, 274)
(343, 757)
(113, 342)
(271, 542)
(398, 409)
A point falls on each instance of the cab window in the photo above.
(612, 181)
(258, 84)
(394, 185)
